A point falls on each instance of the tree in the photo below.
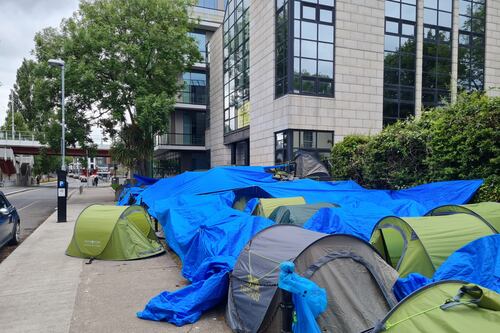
(123, 61)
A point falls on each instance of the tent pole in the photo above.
(287, 312)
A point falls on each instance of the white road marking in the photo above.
(31, 204)
(29, 191)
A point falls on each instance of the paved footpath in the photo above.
(43, 290)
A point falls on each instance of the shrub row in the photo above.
(456, 141)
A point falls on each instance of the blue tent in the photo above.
(208, 235)
(477, 262)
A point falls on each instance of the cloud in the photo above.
(19, 21)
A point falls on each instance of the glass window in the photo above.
(236, 55)
(313, 50)
(288, 142)
(471, 56)
(399, 59)
(194, 89)
(436, 69)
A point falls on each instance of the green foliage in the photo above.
(395, 158)
(45, 164)
(348, 158)
(123, 63)
(456, 141)
(19, 123)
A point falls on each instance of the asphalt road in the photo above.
(34, 206)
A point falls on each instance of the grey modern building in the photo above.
(283, 75)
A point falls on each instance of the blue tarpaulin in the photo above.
(309, 299)
(208, 235)
(477, 262)
(195, 211)
(361, 209)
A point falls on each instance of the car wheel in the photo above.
(16, 234)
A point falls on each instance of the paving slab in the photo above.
(43, 290)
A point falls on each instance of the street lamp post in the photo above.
(12, 112)
(62, 184)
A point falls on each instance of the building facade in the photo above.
(285, 75)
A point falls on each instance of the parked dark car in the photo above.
(10, 224)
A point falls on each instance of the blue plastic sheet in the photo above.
(129, 195)
(208, 235)
(195, 211)
(144, 181)
(309, 299)
(477, 262)
(214, 180)
(361, 209)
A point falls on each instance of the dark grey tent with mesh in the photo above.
(309, 166)
(297, 214)
(357, 280)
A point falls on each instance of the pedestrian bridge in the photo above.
(26, 143)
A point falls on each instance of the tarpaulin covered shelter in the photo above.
(297, 214)
(207, 235)
(477, 262)
(487, 211)
(357, 281)
(114, 233)
(443, 307)
(203, 182)
(308, 166)
(422, 244)
(264, 207)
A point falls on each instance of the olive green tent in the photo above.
(487, 211)
(114, 233)
(266, 206)
(422, 244)
(297, 214)
(443, 307)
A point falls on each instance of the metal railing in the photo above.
(180, 139)
(20, 136)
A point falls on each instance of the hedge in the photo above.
(456, 141)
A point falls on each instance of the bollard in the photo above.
(81, 189)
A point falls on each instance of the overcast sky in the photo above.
(19, 21)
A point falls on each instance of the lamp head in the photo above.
(56, 62)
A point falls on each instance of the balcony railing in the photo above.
(180, 139)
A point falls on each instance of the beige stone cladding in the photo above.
(492, 59)
(357, 105)
(219, 153)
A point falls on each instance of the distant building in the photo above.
(284, 75)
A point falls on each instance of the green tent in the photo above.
(297, 214)
(422, 244)
(443, 307)
(487, 211)
(114, 233)
(266, 206)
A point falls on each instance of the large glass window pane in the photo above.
(445, 19)
(392, 9)
(309, 30)
(308, 67)
(326, 15)
(326, 33)
(308, 49)
(325, 69)
(408, 12)
(309, 13)
(325, 51)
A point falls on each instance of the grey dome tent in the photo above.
(358, 282)
(297, 214)
(308, 166)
